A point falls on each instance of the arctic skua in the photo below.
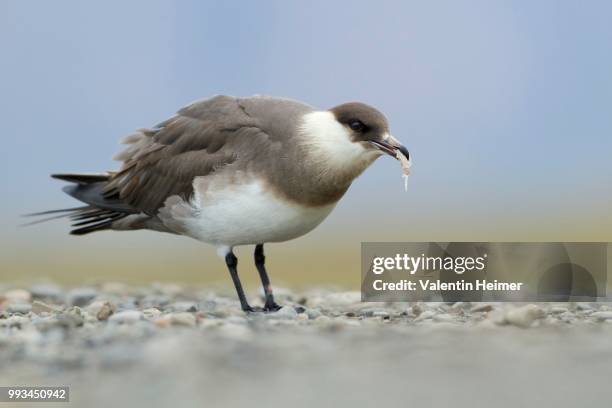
(235, 171)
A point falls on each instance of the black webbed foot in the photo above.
(252, 309)
(271, 307)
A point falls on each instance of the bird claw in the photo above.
(250, 309)
(268, 307)
(271, 307)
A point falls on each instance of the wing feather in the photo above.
(162, 162)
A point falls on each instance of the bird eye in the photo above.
(357, 125)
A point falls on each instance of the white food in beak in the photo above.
(405, 167)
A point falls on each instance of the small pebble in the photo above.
(428, 314)
(74, 315)
(524, 316)
(126, 316)
(66, 320)
(322, 319)
(313, 313)
(101, 309)
(182, 319)
(558, 309)
(567, 317)
(601, 316)
(81, 296)
(18, 296)
(184, 307)
(47, 292)
(460, 305)
(105, 311)
(151, 313)
(285, 312)
(39, 307)
(22, 308)
(583, 306)
(481, 308)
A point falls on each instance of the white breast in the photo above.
(230, 214)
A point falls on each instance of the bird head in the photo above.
(349, 137)
(368, 127)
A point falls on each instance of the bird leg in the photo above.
(260, 260)
(232, 264)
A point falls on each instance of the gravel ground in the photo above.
(165, 345)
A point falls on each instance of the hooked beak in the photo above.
(391, 146)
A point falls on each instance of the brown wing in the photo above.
(162, 162)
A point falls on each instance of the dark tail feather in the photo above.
(98, 223)
(100, 211)
(82, 178)
(87, 219)
(63, 213)
(63, 210)
(55, 217)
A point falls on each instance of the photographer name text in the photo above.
(437, 285)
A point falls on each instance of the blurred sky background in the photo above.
(505, 107)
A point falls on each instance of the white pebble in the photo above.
(322, 319)
(183, 319)
(18, 296)
(22, 308)
(39, 307)
(102, 309)
(286, 312)
(523, 316)
(126, 316)
(151, 313)
(428, 314)
(601, 316)
(483, 307)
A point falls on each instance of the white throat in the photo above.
(329, 144)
